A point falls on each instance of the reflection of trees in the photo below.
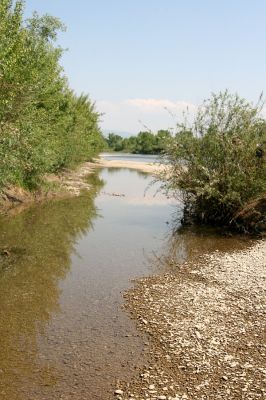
(114, 170)
(40, 241)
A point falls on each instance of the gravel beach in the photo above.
(205, 329)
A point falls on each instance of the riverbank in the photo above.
(67, 183)
(206, 329)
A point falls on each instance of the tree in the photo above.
(115, 142)
(162, 139)
(44, 126)
(145, 143)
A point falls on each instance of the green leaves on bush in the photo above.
(218, 163)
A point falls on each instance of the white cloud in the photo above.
(132, 115)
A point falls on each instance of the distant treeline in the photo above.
(44, 126)
(144, 143)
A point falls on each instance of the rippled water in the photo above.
(63, 334)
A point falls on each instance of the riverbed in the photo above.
(64, 268)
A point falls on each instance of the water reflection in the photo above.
(40, 242)
(190, 243)
(63, 333)
(136, 172)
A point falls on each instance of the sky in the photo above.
(144, 62)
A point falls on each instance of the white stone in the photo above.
(118, 391)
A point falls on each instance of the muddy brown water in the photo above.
(63, 333)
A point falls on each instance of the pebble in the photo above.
(198, 335)
(118, 391)
(190, 346)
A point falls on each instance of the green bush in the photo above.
(218, 163)
(44, 126)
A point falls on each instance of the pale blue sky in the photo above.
(135, 57)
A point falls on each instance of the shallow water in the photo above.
(63, 334)
(145, 158)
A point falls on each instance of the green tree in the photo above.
(145, 143)
(130, 144)
(115, 142)
(44, 126)
(162, 139)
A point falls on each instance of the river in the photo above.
(63, 332)
(144, 158)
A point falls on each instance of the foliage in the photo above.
(218, 163)
(44, 126)
(115, 142)
(144, 143)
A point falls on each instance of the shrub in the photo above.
(218, 163)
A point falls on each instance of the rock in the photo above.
(198, 334)
(118, 392)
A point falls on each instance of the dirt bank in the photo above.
(67, 183)
(206, 329)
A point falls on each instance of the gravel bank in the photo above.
(206, 329)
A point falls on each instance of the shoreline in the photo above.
(206, 329)
(67, 183)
